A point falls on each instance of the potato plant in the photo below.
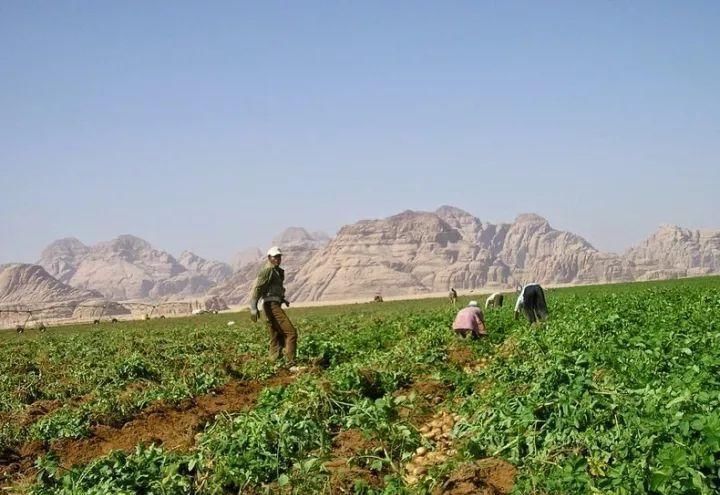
(617, 393)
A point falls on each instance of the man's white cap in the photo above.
(472, 303)
(274, 251)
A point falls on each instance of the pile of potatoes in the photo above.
(438, 431)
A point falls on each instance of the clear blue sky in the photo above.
(214, 125)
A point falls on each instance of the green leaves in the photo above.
(622, 398)
(617, 393)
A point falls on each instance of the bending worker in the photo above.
(531, 300)
(494, 300)
(269, 286)
(470, 321)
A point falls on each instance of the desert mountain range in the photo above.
(128, 267)
(408, 253)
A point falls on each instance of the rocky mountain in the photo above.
(537, 252)
(62, 257)
(408, 253)
(216, 271)
(298, 246)
(246, 257)
(29, 287)
(673, 252)
(128, 268)
(23, 282)
(299, 237)
(416, 252)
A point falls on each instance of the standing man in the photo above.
(269, 286)
(531, 300)
(470, 321)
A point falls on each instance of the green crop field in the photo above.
(618, 393)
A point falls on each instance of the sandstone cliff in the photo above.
(246, 257)
(298, 246)
(26, 287)
(672, 252)
(408, 253)
(215, 271)
(416, 252)
(130, 268)
(62, 257)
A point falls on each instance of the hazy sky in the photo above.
(212, 126)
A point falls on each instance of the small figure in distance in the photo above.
(470, 321)
(378, 298)
(453, 296)
(96, 322)
(494, 300)
(531, 300)
(19, 329)
(114, 320)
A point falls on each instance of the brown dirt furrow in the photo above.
(423, 397)
(460, 355)
(342, 465)
(484, 477)
(173, 427)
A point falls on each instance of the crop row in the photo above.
(616, 393)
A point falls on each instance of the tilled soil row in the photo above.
(173, 427)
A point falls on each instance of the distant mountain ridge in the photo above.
(298, 247)
(408, 253)
(62, 257)
(415, 252)
(673, 251)
(23, 281)
(128, 267)
(25, 286)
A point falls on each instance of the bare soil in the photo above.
(173, 427)
(484, 477)
(461, 356)
(344, 466)
(428, 394)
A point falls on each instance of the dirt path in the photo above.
(172, 427)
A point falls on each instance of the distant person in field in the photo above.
(494, 300)
(531, 301)
(470, 321)
(453, 296)
(269, 287)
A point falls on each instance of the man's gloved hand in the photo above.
(286, 302)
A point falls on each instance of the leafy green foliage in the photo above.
(617, 393)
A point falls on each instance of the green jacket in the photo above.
(269, 285)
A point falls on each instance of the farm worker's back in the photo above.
(470, 320)
(531, 300)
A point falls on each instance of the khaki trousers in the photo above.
(282, 332)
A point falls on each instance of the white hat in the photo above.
(472, 303)
(274, 251)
